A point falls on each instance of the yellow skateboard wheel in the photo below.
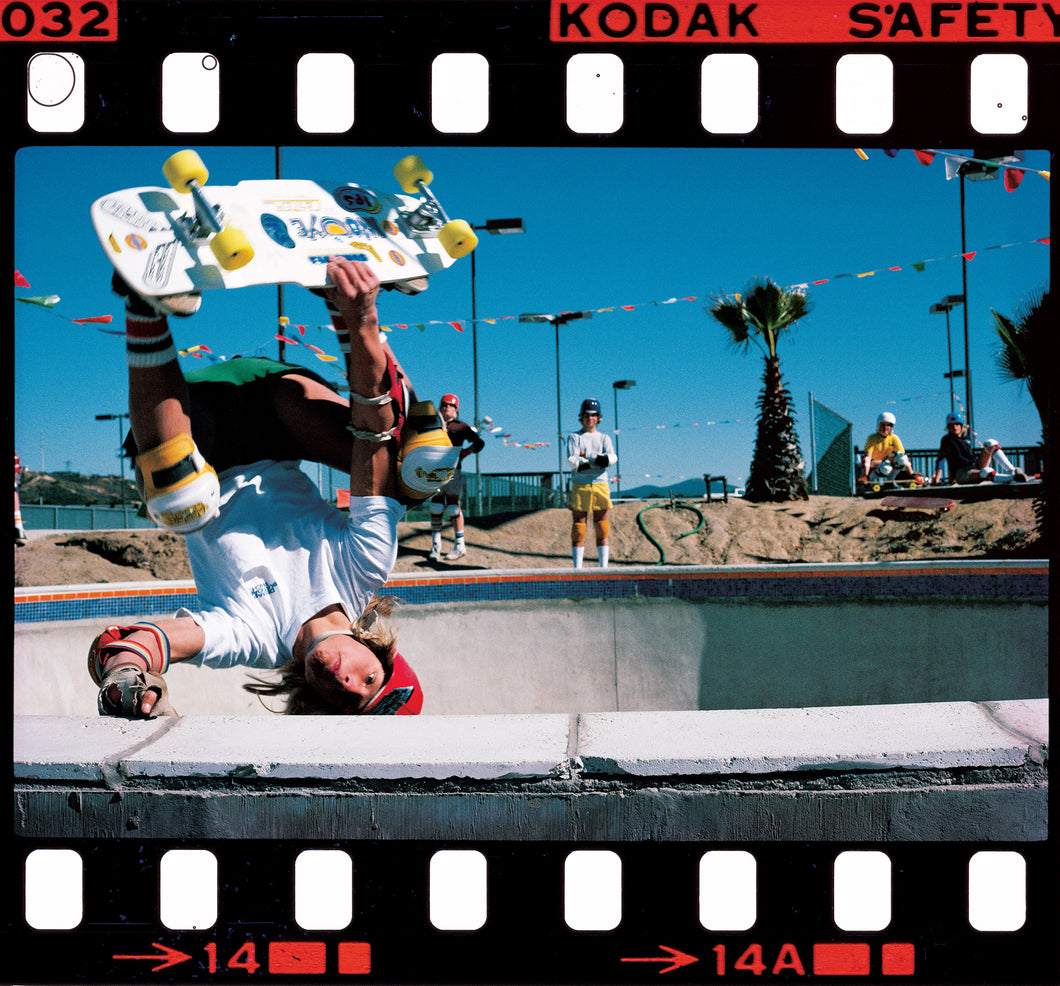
(184, 169)
(458, 238)
(232, 248)
(410, 170)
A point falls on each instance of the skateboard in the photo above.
(919, 502)
(194, 237)
(875, 487)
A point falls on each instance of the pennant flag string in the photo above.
(47, 302)
(916, 265)
(506, 437)
(1013, 172)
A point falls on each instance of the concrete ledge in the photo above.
(935, 771)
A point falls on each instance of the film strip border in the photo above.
(538, 912)
(493, 73)
(504, 72)
(325, 89)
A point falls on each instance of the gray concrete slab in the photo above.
(321, 748)
(884, 737)
(955, 771)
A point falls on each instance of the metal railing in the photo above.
(48, 517)
(1029, 458)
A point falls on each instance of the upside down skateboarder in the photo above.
(285, 582)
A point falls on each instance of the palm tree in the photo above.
(1027, 342)
(1025, 356)
(761, 315)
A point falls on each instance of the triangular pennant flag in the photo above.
(891, 152)
(457, 325)
(44, 301)
(861, 154)
(1013, 177)
(102, 319)
(924, 157)
(953, 167)
(20, 281)
(919, 265)
(969, 255)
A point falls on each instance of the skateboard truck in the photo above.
(186, 173)
(455, 235)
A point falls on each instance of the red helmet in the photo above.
(400, 696)
(450, 399)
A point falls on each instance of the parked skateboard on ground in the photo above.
(192, 237)
(874, 487)
(919, 502)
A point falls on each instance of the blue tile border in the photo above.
(964, 581)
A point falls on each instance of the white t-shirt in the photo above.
(583, 445)
(277, 555)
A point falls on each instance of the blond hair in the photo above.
(300, 697)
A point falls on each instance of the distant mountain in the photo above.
(72, 489)
(686, 488)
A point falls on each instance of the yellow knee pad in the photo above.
(602, 529)
(180, 486)
(427, 458)
(577, 533)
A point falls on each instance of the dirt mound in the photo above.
(691, 532)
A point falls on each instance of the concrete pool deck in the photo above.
(668, 704)
(938, 772)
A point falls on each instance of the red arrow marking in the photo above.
(675, 958)
(168, 957)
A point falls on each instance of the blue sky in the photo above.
(605, 228)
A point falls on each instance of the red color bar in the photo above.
(355, 958)
(294, 958)
(841, 959)
(899, 959)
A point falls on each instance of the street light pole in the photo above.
(616, 387)
(948, 303)
(495, 227)
(984, 166)
(556, 321)
(121, 458)
(964, 293)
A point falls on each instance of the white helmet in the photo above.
(886, 417)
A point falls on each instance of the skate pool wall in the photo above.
(883, 702)
(629, 639)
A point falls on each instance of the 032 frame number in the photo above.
(57, 20)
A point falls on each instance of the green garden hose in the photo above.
(672, 505)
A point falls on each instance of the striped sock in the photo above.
(148, 342)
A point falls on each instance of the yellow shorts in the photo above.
(587, 498)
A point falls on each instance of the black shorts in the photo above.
(233, 412)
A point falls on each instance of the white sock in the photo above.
(578, 554)
(603, 554)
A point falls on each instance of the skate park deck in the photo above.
(882, 701)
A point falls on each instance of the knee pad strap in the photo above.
(180, 486)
